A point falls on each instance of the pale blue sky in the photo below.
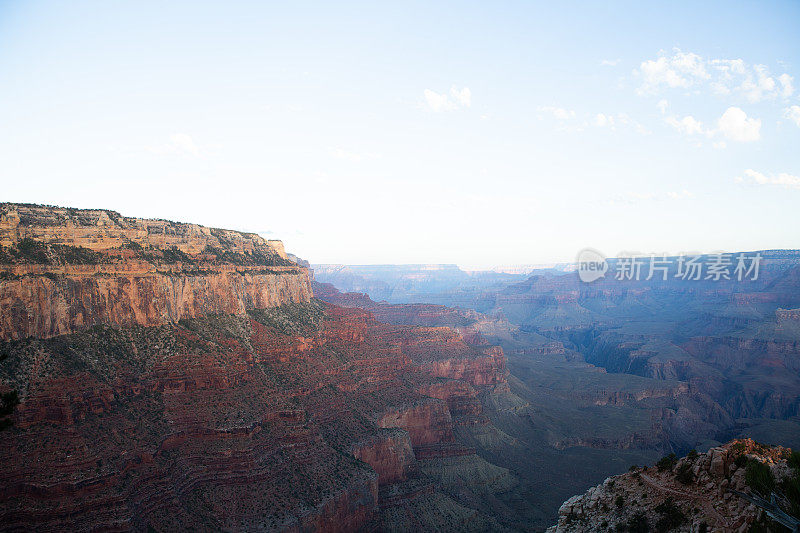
(348, 131)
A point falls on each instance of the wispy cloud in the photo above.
(569, 120)
(690, 71)
(687, 125)
(619, 120)
(454, 100)
(558, 113)
(783, 179)
(610, 62)
(793, 114)
(672, 195)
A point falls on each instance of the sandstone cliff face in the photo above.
(64, 270)
(99, 229)
(389, 453)
(45, 306)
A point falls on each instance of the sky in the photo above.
(475, 133)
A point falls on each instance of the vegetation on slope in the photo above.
(292, 319)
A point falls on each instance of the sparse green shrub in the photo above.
(620, 501)
(8, 401)
(671, 516)
(685, 474)
(692, 455)
(292, 319)
(32, 251)
(790, 486)
(759, 478)
(791, 489)
(740, 461)
(794, 461)
(667, 462)
(638, 523)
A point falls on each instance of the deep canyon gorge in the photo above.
(169, 376)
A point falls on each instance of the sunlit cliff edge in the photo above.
(66, 269)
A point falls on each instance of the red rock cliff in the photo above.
(66, 269)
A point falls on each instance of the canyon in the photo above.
(733, 345)
(157, 375)
(630, 369)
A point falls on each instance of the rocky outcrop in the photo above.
(683, 494)
(104, 230)
(787, 316)
(389, 453)
(64, 270)
(428, 422)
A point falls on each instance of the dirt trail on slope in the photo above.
(705, 505)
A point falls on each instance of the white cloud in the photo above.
(793, 114)
(685, 70)
(787, 86)
(452, 101)
(610, 62)
(679, 70)
(759, 85)
(662, 106)
(719, 145)
(438, 102)
(557, 112)
(567, 120)
(680, 195)
(735, 125)
(781, 180)
(687, 125)
(603, 120)
(463, 96)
